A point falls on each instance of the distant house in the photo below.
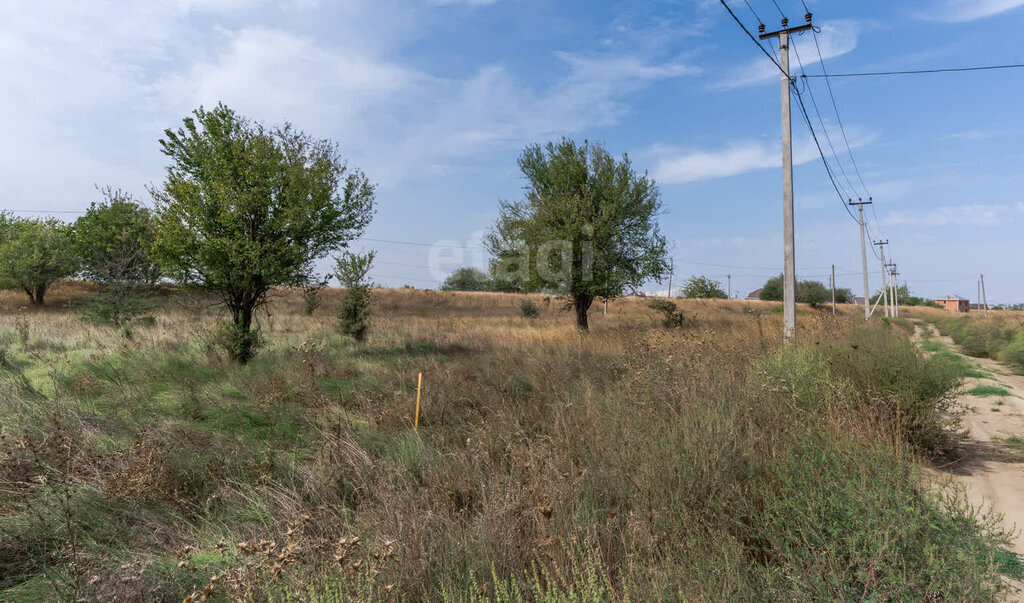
(755, 294)
(954, 303)
(858, 301)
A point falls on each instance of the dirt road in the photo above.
(992, 463)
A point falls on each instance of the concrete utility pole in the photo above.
(728, 278)
(984, 298)
(864, 255)
(885, 281)
(833, 289)
(788, 242)
(894, 284)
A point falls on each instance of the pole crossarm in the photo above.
(785, 30)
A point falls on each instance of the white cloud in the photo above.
(958, 11)
(464, 2)
(272, 74)
(673, 166)
(456, 119)
(836, 39)
(960, 215)
(973, 135)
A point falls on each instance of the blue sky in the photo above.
(434, 100)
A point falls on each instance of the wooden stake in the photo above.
(419, 385)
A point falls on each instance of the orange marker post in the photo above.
(419, 385)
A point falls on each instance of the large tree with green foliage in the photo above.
(467, 278)
(702, 287)
(245, 208)
(807, 292)
(114, 239)
(586, 226)
(34, 253)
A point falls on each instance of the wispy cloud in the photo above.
(973, 135)
(836, 39)
(961, 215)
(958, 11)
(675, 166)
(463, 2)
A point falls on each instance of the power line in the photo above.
(817, 143)
(842, 129)
(824, 130)
(917, 71)
(751, 36)
(756, 16)
(779, 9)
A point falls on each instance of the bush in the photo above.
(237, 342)
(528, 308)
(813, 293)
(117, 305)
(882, 374)
(355, 313)
(351, 271)
(672, 318)
(312, 297)
(1013, 355)
(807, 292)
(702, 287)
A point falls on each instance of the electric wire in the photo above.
(821, 121)
(751, 36)
(918, 71)
(839, 119)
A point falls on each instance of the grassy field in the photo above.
(633, 463)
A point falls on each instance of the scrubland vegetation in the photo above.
(1001, 338)
(636, 462)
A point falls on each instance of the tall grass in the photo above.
(636, 463)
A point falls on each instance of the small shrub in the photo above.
(117, 306)
(355, 313)
(312, 297)
(528, 308)
(240, 345)
(351, 269)
(672, 318)
(1013, 355)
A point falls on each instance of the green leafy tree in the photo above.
(807, 292)
(245, 208)
(702, 287)
(35, 253)
(467, 279)
(813, 293)
(844, 295)
(351, 270)
(113, 239)
(586, 226)
(772, 290)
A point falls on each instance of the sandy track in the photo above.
(992, 470)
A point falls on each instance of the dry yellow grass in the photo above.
(632, 458)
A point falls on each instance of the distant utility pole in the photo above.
(671, 272)
(728, 278)
(984, 298)
(788, 242)
(864, 255)
(833, 289)
(894, 283)
(885, 281)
